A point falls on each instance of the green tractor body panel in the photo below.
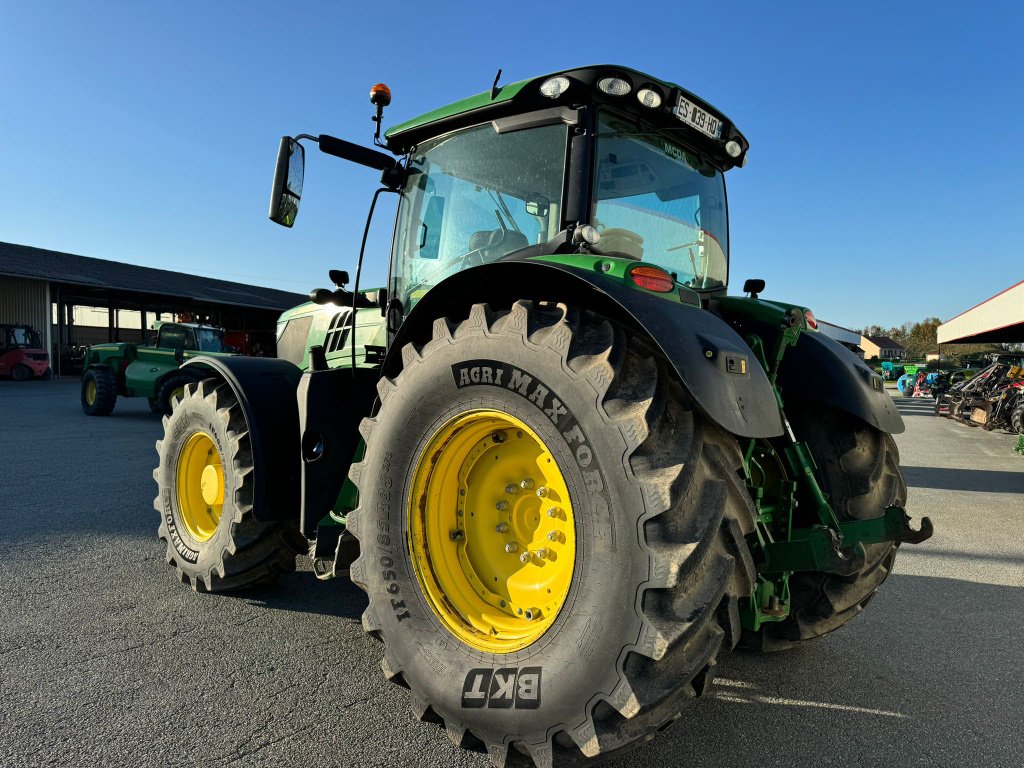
(328, 325)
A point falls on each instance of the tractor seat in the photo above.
(495, 243)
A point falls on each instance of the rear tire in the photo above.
(859, 471)
(659, 516)
(21, 372)
(99, 391)
(215, 547)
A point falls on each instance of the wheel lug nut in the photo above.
(501, 527)
(552, 512)
(527, 484)
(542, 491)
(501, 506)
(511, 547)
(552, 536)
(541, 554)
(525, 557)
(511, 489)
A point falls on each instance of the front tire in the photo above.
(99, 391)
(656, 531)
(859, 471)
(21, 372)
(205, 497)
(171, 391)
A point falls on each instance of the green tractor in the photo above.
(568, 469)
(151, 370)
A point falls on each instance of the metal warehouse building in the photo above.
(997, 320)
(114, 301)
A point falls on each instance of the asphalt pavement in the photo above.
(106, 660)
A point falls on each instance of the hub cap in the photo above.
(200, 486)
(491, 531)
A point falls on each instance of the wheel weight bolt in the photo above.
(511, 547)
(501, 506)
(501, 527)
(527, 484)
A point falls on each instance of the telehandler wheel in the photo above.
(171, 390)
(21, 372)
(859, 470)
(551, 536)
(205, 494)
(1016, 419)
(99, 391)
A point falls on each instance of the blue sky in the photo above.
(886, 167)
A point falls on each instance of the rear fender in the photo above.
(711, 360)
(820, 368)
(266, 391)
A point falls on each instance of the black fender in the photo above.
(331, 403)
(713, 363)
(820, 368)
(265, 388)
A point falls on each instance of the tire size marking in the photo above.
(507, 688)
(496, 374)
(385, 557)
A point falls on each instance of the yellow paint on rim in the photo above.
(200, 486)
(90, 392)
(491, 531)
(176, 395)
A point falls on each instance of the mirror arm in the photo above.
(359, 265)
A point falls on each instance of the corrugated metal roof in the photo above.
(1000, 318)
(41, 264)
(838, 333)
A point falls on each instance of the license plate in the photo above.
(693, 115)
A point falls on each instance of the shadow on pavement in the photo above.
(928, 675)
(302, 592)
(980, 480)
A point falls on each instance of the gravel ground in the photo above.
(105, 660)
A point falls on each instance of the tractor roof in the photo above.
(525, 96)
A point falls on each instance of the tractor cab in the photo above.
(601, 161)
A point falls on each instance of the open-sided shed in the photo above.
(999, 319)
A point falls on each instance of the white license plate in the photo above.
(693, 115)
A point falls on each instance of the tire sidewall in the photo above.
(580, 655)
(194, 414)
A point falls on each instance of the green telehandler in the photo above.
(569, 469)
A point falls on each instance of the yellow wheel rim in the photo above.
(177, 394)
(491, 531)
(200, 486)
(90, 392)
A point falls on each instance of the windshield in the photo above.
(210, 340)
(473, 197)
(657, 201)
(20, 336)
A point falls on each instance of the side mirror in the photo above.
(753, 286)
(339, 277)
(287, 190)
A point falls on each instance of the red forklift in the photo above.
(22, 356)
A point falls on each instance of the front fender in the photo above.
(713, 363)
(265, 388)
